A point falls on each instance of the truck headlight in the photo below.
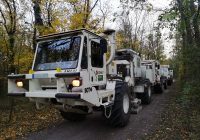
(19, 83)
(76, 83)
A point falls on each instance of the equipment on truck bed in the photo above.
(127, 65)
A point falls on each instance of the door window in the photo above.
(96, 55)
(84, 61)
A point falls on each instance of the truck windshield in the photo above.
(60, 53)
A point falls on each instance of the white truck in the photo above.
(151, 71)
(127, 65)
(70, 71)
(167, 74)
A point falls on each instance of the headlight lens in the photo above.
(76, 83)
(20, 84)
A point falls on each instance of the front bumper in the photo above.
(49, 95)
(20, 94)
(59, 91)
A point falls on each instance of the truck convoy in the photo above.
(71, 72)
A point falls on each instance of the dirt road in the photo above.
(94, 127)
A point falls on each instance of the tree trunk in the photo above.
(38, 21)
(195, 19)
(34, 38)
(11, 53)
(37, 13)
(188, 43)
(186, 21)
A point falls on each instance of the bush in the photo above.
(3, 87)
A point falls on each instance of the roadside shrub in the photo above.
(3, 87)
(190, 94)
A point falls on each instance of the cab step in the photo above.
(136, 106)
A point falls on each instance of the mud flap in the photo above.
(90, 95)
(139, 89)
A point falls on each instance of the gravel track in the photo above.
(95, 128)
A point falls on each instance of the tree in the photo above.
(132, 19)
(105, 10)
(81, 14)
(9, 15)
(189, 29)
(154, 49)
(38, 23)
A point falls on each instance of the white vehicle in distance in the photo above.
(151, 71)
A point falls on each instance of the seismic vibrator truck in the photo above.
(167, 74)
(127, 65)
(151, 71)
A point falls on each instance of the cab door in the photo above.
(97, 63)
(137, 68)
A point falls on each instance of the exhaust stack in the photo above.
(111, 38)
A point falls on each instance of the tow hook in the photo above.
(108, 110)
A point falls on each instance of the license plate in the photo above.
(37, 76)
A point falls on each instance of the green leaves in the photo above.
(170, 15)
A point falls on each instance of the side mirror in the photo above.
(103, 45)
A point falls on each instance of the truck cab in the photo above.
(164, 70)
(123, 66)
(70, 65)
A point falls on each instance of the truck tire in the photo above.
(159, 88)
(120, 113)
(169, 82)
(165, 85)
(70, 116)
(146, 98)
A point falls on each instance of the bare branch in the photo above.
(93, 6)
(10, 13)
(14, 16)
(5, 22)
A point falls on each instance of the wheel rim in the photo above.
(126, 103)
